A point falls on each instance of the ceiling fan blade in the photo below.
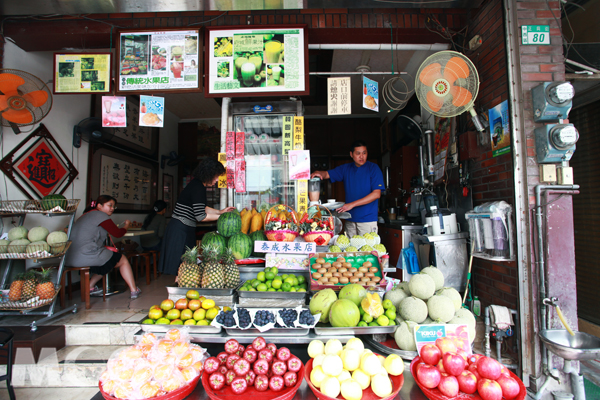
(9, 83)
(430, 74)
(456, 68)
(18, 116)
(460, 96)
(434, 102)
(36, 98)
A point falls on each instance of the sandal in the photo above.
(95, 290)
(136, 294)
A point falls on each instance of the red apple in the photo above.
(467, 382)
(429, 376)
(448, 385)
(473, 358)
(453, 363)
(265, 354)
(440, 366)
(419, 365)
(489, 368)
(431, 354)
(504, 371)
(261, 367)
(463, 354)
(259, 343)
(473, 369)
(241, 367)
(445, 345)
(510, 387)
(181, 304)
(489, 389)
(279, 368)
(283, 353)
(231, 346)
(261, 382)
(250, 354)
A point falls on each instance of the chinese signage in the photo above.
(500, 129)
(535, 35)
(285, 247)
(370, 94)
(82, 73)
(338, 96)
(222, 184)
(152, 111)
(287, 133)
(302, 195)
(298, 133)
(125, 181)
(428, 334)
(256, 60)
(158, 60)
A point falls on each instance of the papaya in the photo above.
(257, 223)
(244, 211)
(254, 212)
(263, 213)
(282, 216)
(246, 222)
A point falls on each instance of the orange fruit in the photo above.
(186, 360)
(198, 366)
(125, 374)
(165, 346)
(148, 338)
(174, 382)
(149, 389)
(141, 375)
(123, 390)
(180, 348)
(109, 386)
(189, 374)
(144, 348)
(162, 372)
(173, 334)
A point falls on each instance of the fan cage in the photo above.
(31, 84)
(471, 83)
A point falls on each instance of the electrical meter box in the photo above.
(555, 143)
(552, 101)
(491, 230)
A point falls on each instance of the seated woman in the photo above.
(87, 249)
(155, 221)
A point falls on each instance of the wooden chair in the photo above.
(136, 258)
(85, 285)
(155, 257)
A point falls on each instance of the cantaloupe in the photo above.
(40, 245)
(57, 241)
(18, 232)
(18, 246)
(38, 233)
(4, 245)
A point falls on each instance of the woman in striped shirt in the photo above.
(190, 209)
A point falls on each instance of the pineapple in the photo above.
(29, 286)
(189, 274)
(214, 273)
(16, 288)
(232, 273)
(45, 287)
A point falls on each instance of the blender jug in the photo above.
(314, 191)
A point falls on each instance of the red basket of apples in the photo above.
(244, 371)
(442, 374)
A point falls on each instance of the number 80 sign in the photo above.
(535, 35)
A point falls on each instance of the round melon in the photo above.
(18, 232)
(37, 234)
(57, 237)
(214, 239)
(240, 245)
(353, 292)
(344, 313)
(18, 246)
(4, 245)
(229, 223)
(40, 245)
(258, 235)
(53, 200)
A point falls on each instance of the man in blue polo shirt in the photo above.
(363, 183)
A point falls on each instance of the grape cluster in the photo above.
(288, 315)
(225, 318)
(306, 318)
(244, 317)
(263, 317)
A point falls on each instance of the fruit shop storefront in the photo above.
(501, 178)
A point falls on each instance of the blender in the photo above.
(314, 191)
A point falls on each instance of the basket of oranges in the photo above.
(281, 224)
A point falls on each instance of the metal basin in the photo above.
(582, 346)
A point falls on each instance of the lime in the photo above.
(255, 283)
(163, 321)
(383, 320)
(269, 275)
(262, 287)
(362, 323)
(301, 279)
(289, 280)
(148, 321)
(274, 270)
(284, 276)
(286, 286)
(391, 314)
(276, 283)
(252, 289)
(301, 290)
(269, 284)
(373, 323)
(387, 304)
(367, 317)
(293, 290)
(295, 281)
(271, 290)
(261, 276)
(176, 322)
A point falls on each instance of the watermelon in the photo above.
(213, 238)
(229, 223)
(240, 245)
(258, 235)
(53, 200)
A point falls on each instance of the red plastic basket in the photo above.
(397, 383)
(178, 394)
(435, 394)
(227, 393)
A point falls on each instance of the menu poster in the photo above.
(114, 112)
(165, 60)
(82, 73)
(370, 94)
(152, 111)
(256, 60)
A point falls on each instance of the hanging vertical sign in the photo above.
(222, 184)
(302, 195)
(370, 94)
(152, 111)
(288, 129)
(298, 133)
(338, 96)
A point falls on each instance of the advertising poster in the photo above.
(256, 60)
(338, 96)
(457, 334)
(442, 131)
(370, 94)
(114, 112)
(158, 60)
(82, 73)
(152, 111)
(299, 164)
(500, 129)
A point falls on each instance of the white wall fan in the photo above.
(447, 84)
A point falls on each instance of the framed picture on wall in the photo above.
(168, 194)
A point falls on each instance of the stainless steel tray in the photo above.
(193, 328)
(181, 291)
(357, 330)
(380, 347)
(272, 295)
(271, 332)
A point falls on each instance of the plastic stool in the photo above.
(6, 344)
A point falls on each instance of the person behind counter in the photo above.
(88, 236)
(156, 222)
(190, 209)
(363, 183)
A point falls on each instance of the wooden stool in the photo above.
(145, 256)
(132, 258)
(155, 257)
(85, 285)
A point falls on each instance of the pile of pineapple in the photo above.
(370, 241)
(31, 284)
(215, 271)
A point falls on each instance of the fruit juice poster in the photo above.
(370, 94)
(452, 336)
(114, 112)
(299, 164)
(152, 111)
(499, 129)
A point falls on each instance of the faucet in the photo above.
(553, 301)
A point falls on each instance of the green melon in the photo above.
(229, 223)
(4, 245)
(18, 232)
(258, 235)
(18, 246)
(53, 200)
(40, 245)
(344, 313)
(213, 238)
(240, 245)
(57, 241)
(38, 233)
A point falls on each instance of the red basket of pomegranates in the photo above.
(479, 378)
(245, 370)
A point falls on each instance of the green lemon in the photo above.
(262, 287)
(293, 289)
(284, 276)
(261, 276)
(271, 290)
(295, 282)
(274, 270)
(286, 287)
(362, 312)
(391, 314)
(373, 323)
(252, 289)
(289, 280)
(367, 317)
(387, 304)
(302, 290)
(276, 283)
(362, 323)
(255, 283)
(269, 284)
(301, 279)
(269, 275)
(383, 320)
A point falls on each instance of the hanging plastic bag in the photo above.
(410, 262)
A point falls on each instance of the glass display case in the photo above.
(264, 125)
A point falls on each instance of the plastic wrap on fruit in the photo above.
(372, 305)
